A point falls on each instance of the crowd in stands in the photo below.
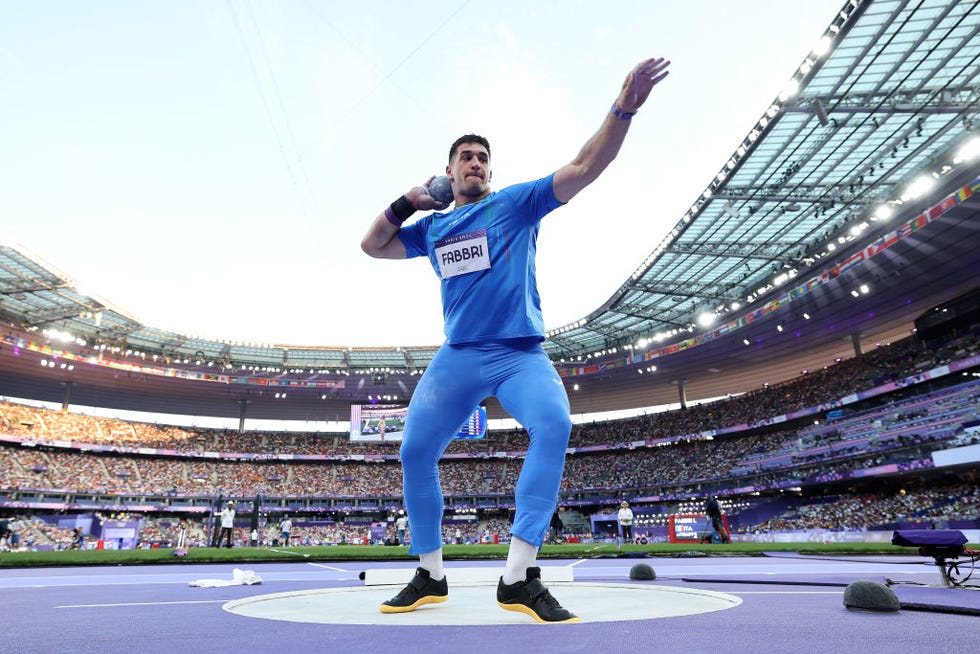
(856, 512)
(881, 365)
(682, 467)
(37, 532)
(901, 431)
(844, 512)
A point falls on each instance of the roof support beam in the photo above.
(756, 249)
(920, 101)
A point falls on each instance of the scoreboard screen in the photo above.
(379, 422)
(687, 527)
(476, 425)
(690, 527)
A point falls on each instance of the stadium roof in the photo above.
(876, 125)
(895, 92)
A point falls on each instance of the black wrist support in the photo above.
(402, 208)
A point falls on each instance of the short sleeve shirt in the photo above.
(484, 254)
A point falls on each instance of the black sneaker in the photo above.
(422, 589)
(531, 597)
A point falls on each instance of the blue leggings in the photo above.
(520, 375)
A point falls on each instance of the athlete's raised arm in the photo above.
(599, 151)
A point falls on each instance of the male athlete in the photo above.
(483, 251)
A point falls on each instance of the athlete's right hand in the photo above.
(420, 198)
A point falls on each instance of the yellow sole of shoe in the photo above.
(431, 599)
(520, 608)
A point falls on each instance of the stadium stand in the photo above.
(776, 474)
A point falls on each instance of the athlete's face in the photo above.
(469, 171)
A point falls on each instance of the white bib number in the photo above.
(463, 253)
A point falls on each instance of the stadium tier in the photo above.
(810, 319)
(786, 458)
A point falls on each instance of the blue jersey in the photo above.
(484, 254)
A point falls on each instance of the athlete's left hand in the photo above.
(640, 82)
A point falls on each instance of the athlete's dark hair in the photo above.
(467, 138)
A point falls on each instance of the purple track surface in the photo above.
(789, 604)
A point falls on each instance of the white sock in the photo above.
(432, 561)
(521, 556)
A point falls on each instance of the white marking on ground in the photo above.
(100, 606)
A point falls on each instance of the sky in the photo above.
(209, 167)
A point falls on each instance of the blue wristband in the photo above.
(622, 115)
(392, 218)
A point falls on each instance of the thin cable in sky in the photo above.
(268, 109)
(279, 100)
(388, 75)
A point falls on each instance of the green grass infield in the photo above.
(450, 552)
